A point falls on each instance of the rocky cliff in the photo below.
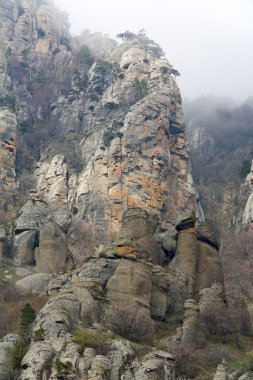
(99, 203)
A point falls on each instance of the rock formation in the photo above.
(110, 191)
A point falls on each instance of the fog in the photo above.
(209, 42)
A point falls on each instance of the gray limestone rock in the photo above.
(52, 254)
(34, 284)
(24, 248)
(208, 233)
(221, 372)
(98, 270)
(186, 220)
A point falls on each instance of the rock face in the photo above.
(247, 218)
(8, 124)
(222, 372)
(97, 148)
(34, 284)
(122, 287)
(129, 142)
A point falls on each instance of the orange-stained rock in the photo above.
(125, 250)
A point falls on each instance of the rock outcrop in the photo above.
(108, 291)
(96, 146)
(129, 140)
(247, 218)
(222, 372)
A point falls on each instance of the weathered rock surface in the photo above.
(8, 124)
(131, 284)
(52, 254)
(112, 192)
(34, 284)
(247, 218)
(222, 372)
(24, 247)
(136, 238)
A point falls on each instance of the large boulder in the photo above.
(191, 331)
(159, 294)
(222, 371)
(34, 284)
(186, 220)
(208, 233)
(136, 238)
(131, 284)
(52, 254)
(24, 247)
(209, 269)
(183, 267)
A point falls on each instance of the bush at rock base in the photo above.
(93, 339)
(131, 323)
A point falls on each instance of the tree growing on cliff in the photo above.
(143, 41)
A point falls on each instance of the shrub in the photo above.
(41, 77)
(108, 136)
(143, 41)
(21, 11)
(141, 88)
(8, 101)
(245, 168)
(12, 363)
(131, 323)
(221, 323)
(188, 364)
(93, 339)
(28, 315)
(85, 55)
(63, 368)
(8, 52)
(39, 334)
(15, 353)
(66, 42)
(41, 33)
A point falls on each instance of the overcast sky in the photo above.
(210, 42)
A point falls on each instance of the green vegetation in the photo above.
(12, 363)
(66, 42)
(41, 33)
(8, 101)
(8, 52)
(16, 352)
(141, 88)
(85, 56)
(143, 41)
(108, 136)
(39, 334)
(111, 133)
(28, 316)
(41, 77)
(166, 329)
(25, 54)
(64, 368)
(21, 11)
(245, 168)
(93, 339)
(79, 82)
